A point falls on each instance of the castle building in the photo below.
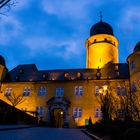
(68, 97)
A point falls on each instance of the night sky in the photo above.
(52, 33)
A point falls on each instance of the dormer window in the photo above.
(118, 73)
(44, 76)
(78, 75)
(17, 78)
(116, 67)
(66, 75)
(21, 71)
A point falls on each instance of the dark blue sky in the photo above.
(52, 33)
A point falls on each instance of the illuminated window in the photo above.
(40, 111)
(59, 92)
(42, 91)
(66, 75)
(8, 91)
(78, 90)
(97, 91)
(26, 91)
(77, 112)
(97, 113)
(116, 67)
(78, 75)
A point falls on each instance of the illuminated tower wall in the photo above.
(101, 46)
(134, 68)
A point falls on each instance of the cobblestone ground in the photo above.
(43, 134)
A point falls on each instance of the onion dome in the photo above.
(137, 47)
(2, 60)
(101, 28)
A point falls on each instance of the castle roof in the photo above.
(137, 47)
(29, 73)
(2, 60)
(101, 28)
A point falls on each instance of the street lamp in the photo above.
(103, 90)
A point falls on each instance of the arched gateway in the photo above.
(57, 113)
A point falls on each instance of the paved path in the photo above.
(43, 134)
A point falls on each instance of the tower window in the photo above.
(132, 65)
(94, 41)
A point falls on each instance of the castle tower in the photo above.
(101, 46)
(134, 67)
(3, 69)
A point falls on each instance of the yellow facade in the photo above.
(88, 101)
(102, 70)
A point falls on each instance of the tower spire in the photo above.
(101, 16)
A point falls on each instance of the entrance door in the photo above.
(57, 118)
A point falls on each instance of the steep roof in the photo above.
(29, 72)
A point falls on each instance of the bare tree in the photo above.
(5, 6)
(107, 102)
(15, 99)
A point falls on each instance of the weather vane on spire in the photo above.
(101, 16)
